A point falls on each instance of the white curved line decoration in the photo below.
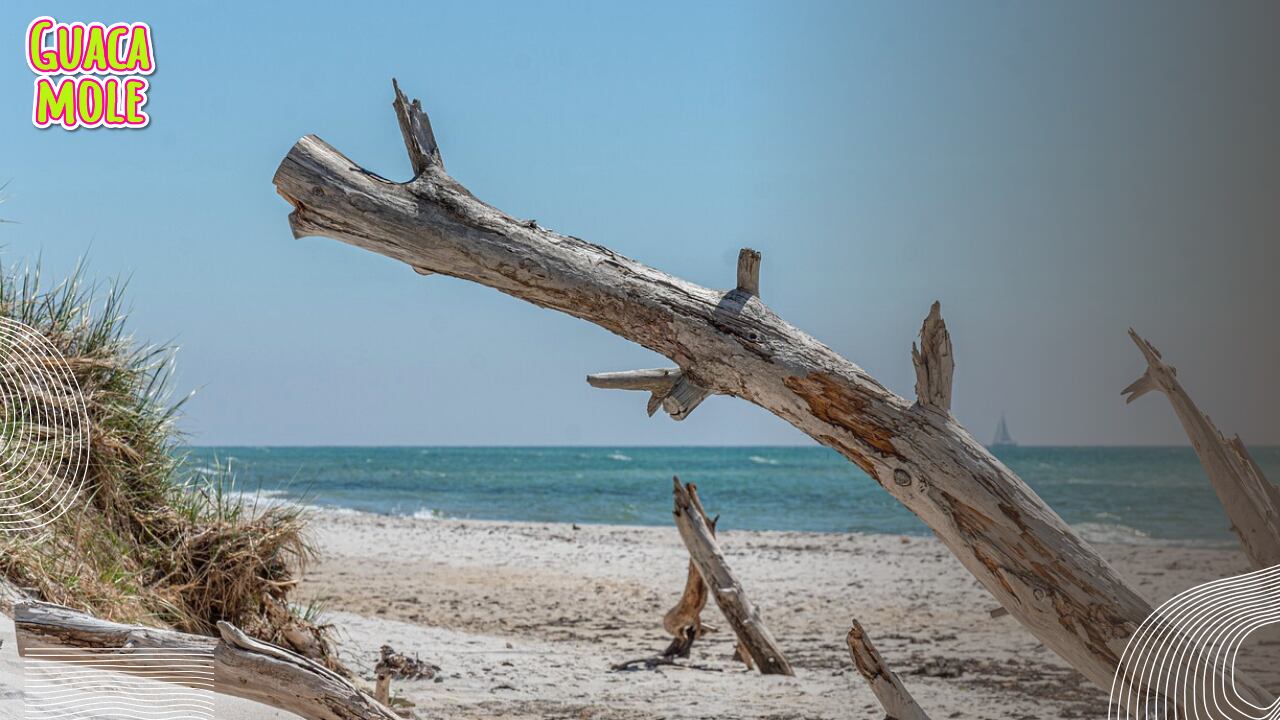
(44, 430)
(1181, 661)
(119, 684)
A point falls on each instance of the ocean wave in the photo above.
(620, 457)
(426, 513)
(762, 460)
(333, 509)
(1114, 533)
(260, 493)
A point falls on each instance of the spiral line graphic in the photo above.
(44, 430)
(127, 683)
(1181, 663)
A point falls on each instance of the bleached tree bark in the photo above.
(935, 367)
(754, 639)
(897, 702)
(1252, 503)
(668, 388)
(731, 343)
(243, 667)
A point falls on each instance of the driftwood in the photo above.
(684, 621)
(243, 667)
(741, 614)
(885, 683)
(731, 343)
(1252, 503)
(934, 364)
(668, 388)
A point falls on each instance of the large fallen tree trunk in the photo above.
(731, 343)
(754, 639)
(243, 667)
(1252, 503)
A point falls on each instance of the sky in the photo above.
(1053, 173)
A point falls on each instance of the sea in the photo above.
(1133, 495)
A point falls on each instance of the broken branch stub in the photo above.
(1251, 502)
(415, 128)
(669, 389)
(749, 271)
(1033, 563)
(737, 608)
(935, 366)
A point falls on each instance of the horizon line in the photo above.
(391, 446)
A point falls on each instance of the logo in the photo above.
(89, 74)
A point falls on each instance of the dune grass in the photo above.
(148, 540)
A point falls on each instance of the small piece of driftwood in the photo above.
(885, 683)
(1251, 502)
(684, 621)
(243, 667)
(725, 587)
(668, 387)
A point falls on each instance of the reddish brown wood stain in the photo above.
(835, 402)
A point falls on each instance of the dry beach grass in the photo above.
(145, 541)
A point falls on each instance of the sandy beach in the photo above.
(528, 620)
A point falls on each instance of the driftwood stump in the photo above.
(885, 683)
(753, 637)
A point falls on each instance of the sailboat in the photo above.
(1003, 438)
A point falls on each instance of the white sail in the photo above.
(1003, 438)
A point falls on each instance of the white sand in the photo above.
(526, 621)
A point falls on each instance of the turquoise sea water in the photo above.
(1110, 494)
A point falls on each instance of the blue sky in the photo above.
(1052, 173)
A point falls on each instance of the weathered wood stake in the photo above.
(684, 621)
(730, 596)
(885, 683)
